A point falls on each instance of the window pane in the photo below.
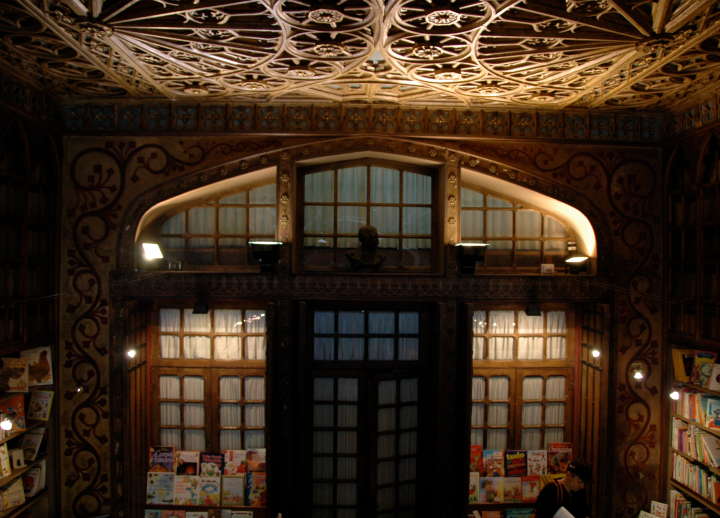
(255, 347)
(239, 198)
(417, 220)
(228, 348)
(409, 323)
(228, 320)
(528, 223)
(174, 225)
(386, 392)
(478, 414)
(478, 388)
(352, 184)
(232, 220)
(255, 415)
(351, 348)
(501, 348)
(385, 219)
(530, 348)
(324, 349)
(255, 321)
(408, 349)
(408, 390)
(194, 439)
(497, 414)
(193, 388)
(196, 322)
(499, 223)
(499, 388)
(318, 219)
(494, 202)
(478, 348)
(169, 320)
(554, 435)
(417, 188)
(351, 322)
(255, 388)
(385, 185)
(169, 387)
(381, 322)
(532, 388)
(556, 347)
(555, 387)
(319, 187)
(195, 347)
(496, 439)
(555, 413)
(254, 439)
(350, 219)
(347, 389)
(471, 198)
(347, 416)
(262, 221)
(381, 349)
(201, 220)
(501, 322)
(531, 439)
(230, 439)
(472, 222)
(169, 346)
(230, 388)
(553, 228)
(170, 437)
(263, 194)
(386, 419)
(323, 390)
(532, 414)
(170, 414)
(193, 415)
(556, 322)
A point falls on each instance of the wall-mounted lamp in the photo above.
(152, 251)
(637, 371)
(576, 262)
(595, 353)
(131, 353)
(470, 254)
(674, 395)
(265, 253)
(6, 424)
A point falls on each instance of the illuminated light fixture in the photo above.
(131, 353)
(266, 254)
(152, 251)
(470, 254)
(577, 263)
(595, 353)
(674, 395)
(6, 424)
(638, 375)
(577, 259)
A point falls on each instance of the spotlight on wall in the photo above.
(6, 424)
(595, 353)
(152, 251)
(131, 353)
(577, 263)
(674, 395)
(266, 254)
(470, 254)
(637, 371)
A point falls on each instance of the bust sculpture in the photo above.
(366, 257)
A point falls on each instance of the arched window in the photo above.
(394, 198)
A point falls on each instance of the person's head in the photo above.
(578, 475)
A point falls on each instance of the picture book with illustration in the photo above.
(186, 490)
(256, 489)
(494, 463)
(473, 491)
(209, 491)
(233, 489)
(40, 370)
(234, 462)
(161, 459)
(531, 486)
(211, 464)
(13, 375)
(559, 456)
(491, 490)
(512, 489)
(160, 488)
(40, 405)
(515, 463)
(537, 462)
(476, 458)
(187, 462)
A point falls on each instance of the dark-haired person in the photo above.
(568, 492)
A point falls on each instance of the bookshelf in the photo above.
(694, 465)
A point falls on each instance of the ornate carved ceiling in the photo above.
(540, 53)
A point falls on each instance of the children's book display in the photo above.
(515, 476)
(193, 478)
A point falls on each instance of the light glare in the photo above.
(152, 251)
(675, 395)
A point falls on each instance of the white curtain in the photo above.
(170, 387)
(554, 435)
(499, 388)
(255, 415)
(169, 346)
(531, 439)
(478, 414)
(530, 348)
(170, 437)
(495, 203)
(201, 220)
(478, 348)
(255, 347)
(324, 348)
(346, 494)
(386, 392)
(408, 443)
(500, 348)
(346, 441)
(254, 439)
(478, 388)
(499, 223)
(497, 439)
(194, 439)
(384, 185)
(170, 414)
(255, 388)
(555, 387)
(196, 322)
(409, 322)
(175, 225)
(471, 198)
(228, 348)
(528, 223)
(556, 347)
(408, 348)
(553, 228)
(555, 413)
(351, 322)
(556, 323)
(352, 184)
(408, 390)
(194, 414)
(347, 416)
(472, 225)
(232, 220)
(239, 198)
(323, 389)
(262, 221)
(380, 349)
(323, 415)
(351, 348)
(169, 320)
(497, 414)
(318, 219)
(230, 440)
(264, 194)
(530, 325)
(532, 414)
(349, 219)
(228, 320)
(347, 389)
(386, 220)
(195, 347)
(501, 322)
(417, 188)
(417, 220)
(319, 186)
(381, 322)
(324, 322)
(193, 388)
(532, 388)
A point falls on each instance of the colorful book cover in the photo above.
(521, 512)
(714, 381)
(491, 514)
(683, 360)
(256, 489)
(196, 514)
(474, 489)
(512, 489)
(14, 375)
(161, 459)
(537, 462)
(174, 513)
(712, 412)
(40, 404)
(152, 513)
(233, 489)
(233, 513)
(5, 467)
(234, 462)
(658, 509)
(255, 459)
(160, 488)
(39, 366)
(494, 463)
(702, 368)
(33, 479)
(13, 495)
(209, 491)
(531, 486)
(491, 490)
(515, 463)
(559, 456)
(211, 464)
(14, 408)
(186, 490)
(31, 442)
(476, 458)
(187, 462)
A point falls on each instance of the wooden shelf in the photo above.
(695, 496)
(15, 511)
(15, 474)
(20, 432)
(697, 387)
(202, 507)
(714, 431)
(707, 467)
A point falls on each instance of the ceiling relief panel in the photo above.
(539, 53)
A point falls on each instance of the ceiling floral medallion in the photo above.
(442, 17)
(340, 15)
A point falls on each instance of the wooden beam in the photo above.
(625, 12)
(661, 14)
(97, 6)
(77, 6)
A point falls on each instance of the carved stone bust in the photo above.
(366, 257)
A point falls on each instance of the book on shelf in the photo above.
(17, 458)
(476, 458)
(658, 509)
(13, 407)
(491, 490)
(233, 489)
(157, 513)
(40, 370)
(196, 514)
(531, 486)
(520, 512)
(494, 463)
(491, 514)
(14, 375)
(160, 488)
(34, 479)
(512, 489)
(161, 459)
(233, 513)
(474, 489)
(40, 405)
(537, 462)
(255, 459)
(714, 381)
(702, 367)
(712, 411)
(31, 442)
(683, 360)
(234, 462)
(187, 462)
(515, 463)
(211, 464)
(209, 491)
(559, 456)
(186, 490)
(5, 466)
(13, 494)
(256, 489)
